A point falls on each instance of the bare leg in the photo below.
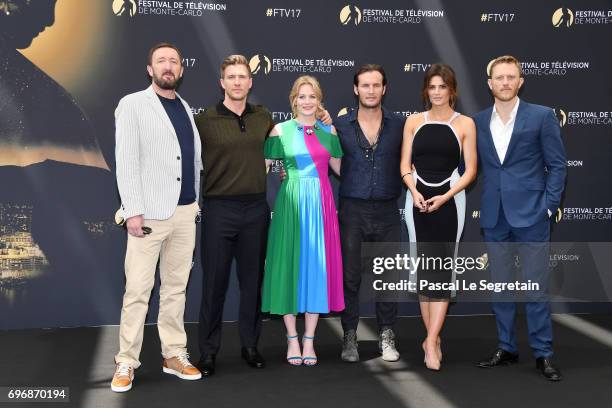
(437, 310)
(293, 344)
(424, 304)
(308, 342)
(437, 315)
(426, 312)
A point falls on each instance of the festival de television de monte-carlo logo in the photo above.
(125, 8)
(260, 63)
(350, 14)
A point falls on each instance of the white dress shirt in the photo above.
(502, 133)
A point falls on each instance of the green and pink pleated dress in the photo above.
(303, 270)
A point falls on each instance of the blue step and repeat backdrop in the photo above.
(65, 64)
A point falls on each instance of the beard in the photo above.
(505, 97)
(370, 105)
(170, 84)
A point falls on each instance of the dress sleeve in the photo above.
(331, 141)
(273, 148)
(335, 149)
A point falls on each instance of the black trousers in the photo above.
(232, 229)
(365, 221)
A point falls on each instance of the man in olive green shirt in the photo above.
(236, 213)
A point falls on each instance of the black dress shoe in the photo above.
(499, 357)
(252, 357)
(207, 364)
(549, 371)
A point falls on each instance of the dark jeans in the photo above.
(232, 228)
(365, 221)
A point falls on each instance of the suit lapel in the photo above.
(159, 108)
(486, 126)
(519, 124)
(196, 134)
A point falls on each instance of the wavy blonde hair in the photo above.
(306, 80)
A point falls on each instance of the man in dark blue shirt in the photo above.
(371, 138)
(182, 126)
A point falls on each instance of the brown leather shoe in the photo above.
(122, 380)
(181, 367)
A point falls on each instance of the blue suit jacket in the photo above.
(532, 177)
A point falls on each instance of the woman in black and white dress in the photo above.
(434, 142)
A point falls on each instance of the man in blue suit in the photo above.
(523, 166)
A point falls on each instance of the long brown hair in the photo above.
(447, 74)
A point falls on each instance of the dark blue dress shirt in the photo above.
(366, 173)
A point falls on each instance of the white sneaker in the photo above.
(123, 378)
(386, 345)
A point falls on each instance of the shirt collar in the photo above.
(353, 114)
(512, 114)
(223, 110)
(173, 100)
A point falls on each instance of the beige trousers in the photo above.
(172, 242)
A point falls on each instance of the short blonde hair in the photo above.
(316, 87)
(235, 59)
(505, 59)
